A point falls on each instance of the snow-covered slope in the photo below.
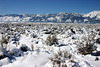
(93, 14)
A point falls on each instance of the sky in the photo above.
(48, 6)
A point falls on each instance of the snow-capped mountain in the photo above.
(93, 14)
(92, 17)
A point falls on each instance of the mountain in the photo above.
(93, 14)
(92, 17)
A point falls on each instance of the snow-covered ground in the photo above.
(49, 45)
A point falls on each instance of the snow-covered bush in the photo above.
(51, 39)
(15, 52)
(60, 58)
(86, 46)
(4, 42)
(86, 49)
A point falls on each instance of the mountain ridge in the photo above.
(62, 17)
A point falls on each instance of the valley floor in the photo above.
(49, 45)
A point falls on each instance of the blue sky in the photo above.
(48, 6)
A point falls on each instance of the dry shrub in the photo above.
(51, 39)
(4, 41)
(60, 58)
(64, 65)
(32, 47)
(87, 48)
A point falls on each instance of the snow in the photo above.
(4, 61)
(40, 56)
(91, 60)
(93, 14)
(32, 59)
(69, 20)
(51, 18)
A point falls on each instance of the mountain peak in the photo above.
(62, 13)
(93, 14)
(95, 11)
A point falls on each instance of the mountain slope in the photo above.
(93, 14)
(92, 17)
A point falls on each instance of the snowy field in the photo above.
(49, 45)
